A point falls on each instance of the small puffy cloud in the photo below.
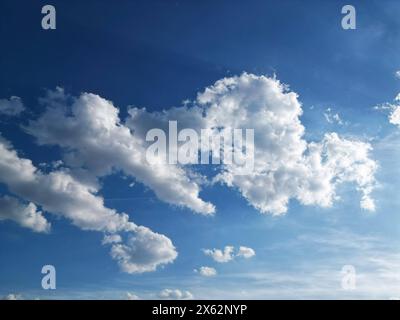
(367, 203)
(144, 251)
(26, 215)
(175, 294)
(12, 106)
(229, 253)
(207, 271)
(397, 74)
(245, 252)
(131, 296)
(221, 256)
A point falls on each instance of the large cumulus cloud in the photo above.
(286, 166)
(60, 193)
(91, 132)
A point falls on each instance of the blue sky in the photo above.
(155, 55)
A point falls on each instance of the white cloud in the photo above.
(26, 215)
(175, 294)
(394, 117)
(246, 252)
(112, 238)
(58, 192)
(144, 251)
(12, 106)
(131, 296)
(286, 165)
(393, 110)
(334, 161)
(221, 256)
(375, 257)
(207, 271)
(332, 117)
(94, 137)
(397, 74)
(229, 253)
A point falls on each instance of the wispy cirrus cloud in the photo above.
(333, 117)
(12, 106)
